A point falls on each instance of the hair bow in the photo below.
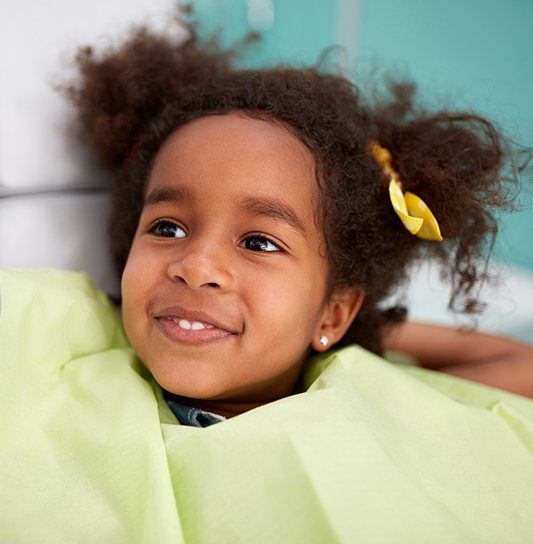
(410, 208)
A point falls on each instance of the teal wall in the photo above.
(474, 53)
(301, 29)
(479, 53)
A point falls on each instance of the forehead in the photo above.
(221, 158)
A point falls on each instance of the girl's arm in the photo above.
(485, 358)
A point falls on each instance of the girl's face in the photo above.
(228, 229)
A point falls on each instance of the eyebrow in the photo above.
(254, 205)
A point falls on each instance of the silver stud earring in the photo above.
(324, 340)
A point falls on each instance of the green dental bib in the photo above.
(371, 452)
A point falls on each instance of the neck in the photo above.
(233, 407)
(226, 408)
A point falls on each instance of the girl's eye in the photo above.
(262, 242)
(166, 229)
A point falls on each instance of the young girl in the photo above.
(259, 219)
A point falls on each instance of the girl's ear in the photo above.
(338, 315)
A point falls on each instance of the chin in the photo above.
(189, 387)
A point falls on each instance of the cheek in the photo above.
(129, 307)
(129, 284)
(290, 306)
(139, 272)
(135, 285)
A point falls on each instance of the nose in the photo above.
(201, 262)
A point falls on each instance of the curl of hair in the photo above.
(132, 97)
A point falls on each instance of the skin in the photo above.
(205, 259)
(480, 357)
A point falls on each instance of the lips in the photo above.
(177, 334)
(195, 315)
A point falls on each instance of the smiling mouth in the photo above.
(196, 319)
(182, 331)
(190, 325)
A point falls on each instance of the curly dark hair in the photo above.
(131, 97)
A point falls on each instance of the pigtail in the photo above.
(121, 90)
(465, 170)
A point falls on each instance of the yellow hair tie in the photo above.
(410, 208)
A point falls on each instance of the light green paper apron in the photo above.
(371, 452)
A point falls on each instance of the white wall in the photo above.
(37, 42)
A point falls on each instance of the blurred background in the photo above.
(466, 54)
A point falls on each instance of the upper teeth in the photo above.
(191, 325)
